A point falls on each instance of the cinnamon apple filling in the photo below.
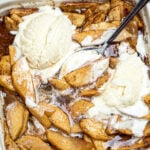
(58, 98)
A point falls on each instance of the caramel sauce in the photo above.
(6, 39)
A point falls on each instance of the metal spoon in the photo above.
(101, 49)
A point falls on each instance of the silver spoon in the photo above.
(101, 49)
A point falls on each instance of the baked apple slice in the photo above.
(67, 143)
(22, 79)
(32, 142)
(15, 117)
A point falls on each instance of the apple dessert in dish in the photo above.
(55, 97)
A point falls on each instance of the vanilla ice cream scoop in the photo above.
(44, 37)
(128, 81)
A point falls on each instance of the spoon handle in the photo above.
(136, 9)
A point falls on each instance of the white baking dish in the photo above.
(5, 5)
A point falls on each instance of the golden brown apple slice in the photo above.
(38, 113)
(79, 77)
(10, 23)
(147, 130)
(125, 131)
(32, 142)
(15, 116)
(115, 14)
(124, 35)
(17, 18)
(80, 107)
(99, 17)
(147, 99)
(23, 11)
(146, 142)
(5, 67)
(103, 26)
(76, 128)
(25, 122)
(22, 147)
(60, 120)
(87, 74)
(48, 108)
(9, 143)
(59, 84)
(101, 80)
(72, 6)
(6, 82)
(22, 79)
(89, 12)
(56, 116)
(95, 18)
(80, 36)
(139, 21)
(94, 129)
(89, 93)
(119, 9)
(76, 19)
(67, 143)
(99, 145)
(5, 58)
(115, 3)
(87, 138)
(113, 62)
(103, 8)
(133, 28)
(12, 54)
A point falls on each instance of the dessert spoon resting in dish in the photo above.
(101, 48)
